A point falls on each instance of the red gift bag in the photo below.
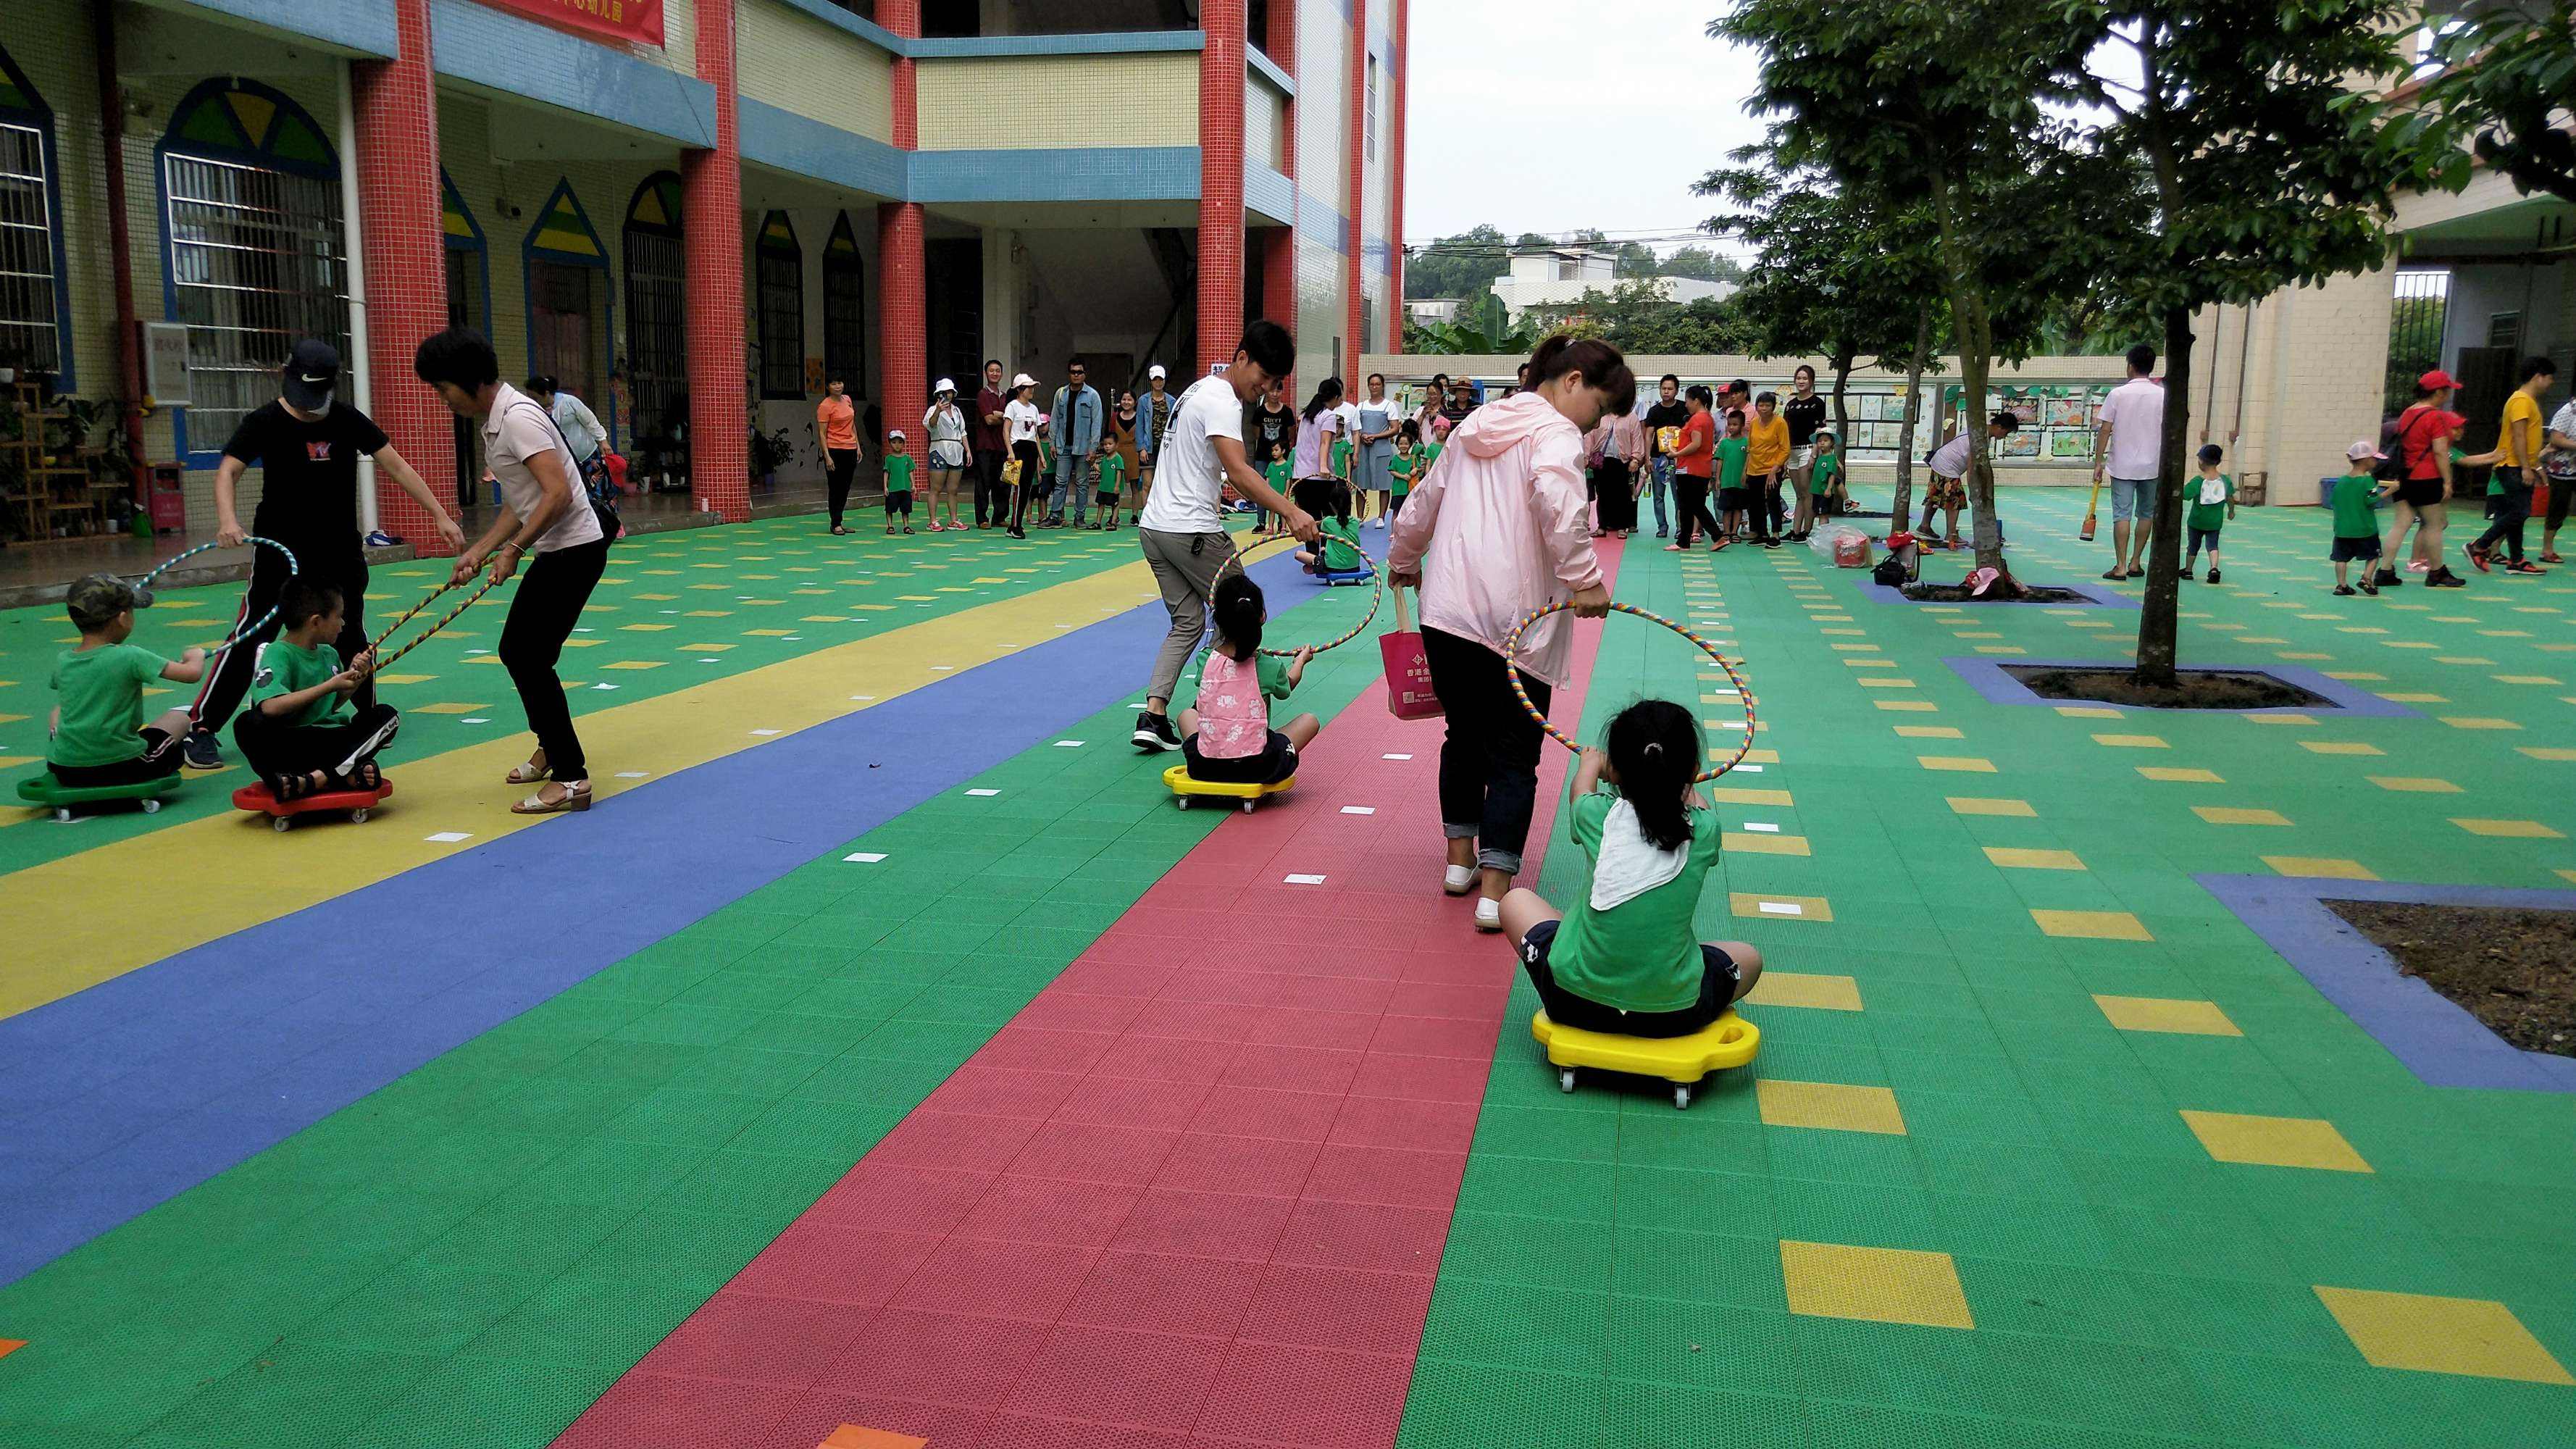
(1408, 670)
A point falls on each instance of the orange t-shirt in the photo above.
(840, 423)
(1699, 432)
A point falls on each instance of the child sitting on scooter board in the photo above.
(299, 735)
(1337, 551)
(97, 734)
(1627, 961)
(1226, 738)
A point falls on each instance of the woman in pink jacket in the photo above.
(1498, 529)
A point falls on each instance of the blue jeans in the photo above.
(1073, 474)
(1662, 479)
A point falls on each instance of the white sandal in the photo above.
(528, 774)
(576, 796)
(1489, 914)
(1460, 880)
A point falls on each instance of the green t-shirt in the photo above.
(898, 468)
(1113, 472)
(1277, 476)
(285, 667)
(1273, 674)
(2207, 517)
(1730, 461)
(1341, 545)
(1342, 457)
(1829, 466)
(1642, 955)
(1405, 467)
(101, 694)
(1430, 455)
(2353, 493)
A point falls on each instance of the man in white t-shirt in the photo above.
(1182, 529)
(2130, 445)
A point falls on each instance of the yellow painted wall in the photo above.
(797, 63)
(1039, 102)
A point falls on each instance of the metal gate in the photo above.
(29, 334)
(2415, 328)
(255, 264)
(657, 361)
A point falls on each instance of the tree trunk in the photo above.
(2159, 617)
(1842, 365)
(1902, 507)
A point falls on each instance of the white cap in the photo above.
(1020, 380)
(1153, 372)
(2362, 449)
(895, 436)
(945, 384)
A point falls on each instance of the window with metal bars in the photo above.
(255, 264)
(781, 309)
(845, 311)
(30, 327)
(657, 352)
(2416, 324)
(1370, 115)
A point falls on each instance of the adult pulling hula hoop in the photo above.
(255, 625)
(426, 600)
(1511, 666)
(1377, 591)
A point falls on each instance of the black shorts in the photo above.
(1717, 987)
(2417, 492)
(1276, 762)
(159, 761)
(2348, 549)
(1734, 500)
(2560, 490)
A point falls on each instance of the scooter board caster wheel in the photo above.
(281, 823)
(63, 813)
(359, 816)
(1681, 1099)
(1184, 801)
(1247, 806)
(151, 807)
(1565, 1079)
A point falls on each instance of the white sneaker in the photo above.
(1460, 880)
(1489, 914)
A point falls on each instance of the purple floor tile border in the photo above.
(2090, 596)
(2441, 1043)
(1987, 677)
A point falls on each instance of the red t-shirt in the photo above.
(2419, 429)
(1698, 449)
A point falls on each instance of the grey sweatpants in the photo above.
(1184, 566)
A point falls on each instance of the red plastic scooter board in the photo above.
(281, 814)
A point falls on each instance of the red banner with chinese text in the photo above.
(636, 20)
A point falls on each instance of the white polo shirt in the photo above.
(1189, 483)
(516, 430)
(2136, 412)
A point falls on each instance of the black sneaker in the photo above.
(2388, 579)
(2443, 578)
(1155, 732)
(201, 752)
(2345, 591)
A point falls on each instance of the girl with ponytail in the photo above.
(1628, 960)
(1226, 736)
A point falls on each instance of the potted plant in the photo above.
(770, 451)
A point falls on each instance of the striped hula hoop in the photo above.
(427, 599)
(1377, 591)
(264, 620)
(1511, 666)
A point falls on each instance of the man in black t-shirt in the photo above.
(1668, 411)
(307, 448)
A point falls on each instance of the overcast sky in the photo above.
(1485, 72)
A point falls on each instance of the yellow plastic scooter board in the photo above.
(1177, 780)
(1729, 1041)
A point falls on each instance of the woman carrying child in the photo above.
(1226, 736)
(1628, 960)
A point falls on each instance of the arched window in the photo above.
(781, 308)
(35, 301)
(657, 338)
(567, 275)
(469, 304)
(845, 309)
(253, 249)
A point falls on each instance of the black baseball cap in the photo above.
(311, 371)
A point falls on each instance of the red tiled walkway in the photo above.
(1195, 1193)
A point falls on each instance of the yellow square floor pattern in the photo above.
(2473, 1336)
(1875, 1285)
(2164, 1014)
(1834, 1106)
(2274, 1141)
(1819, 991)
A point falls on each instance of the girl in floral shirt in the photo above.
(1226, 737)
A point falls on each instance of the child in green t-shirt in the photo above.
(2212, 500)
(2356, 527)
(1343, 452)
(300, 733)
(1732, 496)
(1113, 474)
(898, 474)
(1338, 549)
(1275, 473)
(1826, 482)
(1406, 466)
(1627, 960)
(97, 733)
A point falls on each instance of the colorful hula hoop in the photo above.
(1377, 591)
(1511, 666)
(255, 625)
(427, 599)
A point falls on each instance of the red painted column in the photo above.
(903, 312)
(1399, 60)
(399, 226)
(1356, 272)
(1279, 244)
(1221, 75)
(711, 254)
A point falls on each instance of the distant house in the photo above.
(1559, 276)
(1433, 309)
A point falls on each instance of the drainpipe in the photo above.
(361, 394)
(129, 328)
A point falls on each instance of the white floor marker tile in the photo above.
(1305, 880)
(1782, 908)
(865, 857)
(945, 668)
(1763, 826)
(634, 774)
(984, 792)
(764, 732)
(862, 696)
(603, 686)
(450, 837)
(476, 719)
(1395, 757)
(1751, 769)
(1068, 744)
(1359, 810)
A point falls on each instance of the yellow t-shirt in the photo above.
(1770, 444)
(2521, 408)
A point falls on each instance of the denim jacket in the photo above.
(1075, 421)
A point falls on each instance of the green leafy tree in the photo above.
(1939, 107)
(1701, 264)
(1638, 316)
(1463, 265)
(2254, 164)
(2508, 71)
